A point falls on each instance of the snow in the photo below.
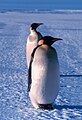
(15, 103)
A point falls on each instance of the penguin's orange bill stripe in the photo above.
(41, 42)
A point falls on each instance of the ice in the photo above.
(15, 103)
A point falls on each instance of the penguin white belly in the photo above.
(29, 50)
(45, 76)
(31, 44)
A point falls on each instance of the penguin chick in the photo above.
(44, 71)
(32, 40)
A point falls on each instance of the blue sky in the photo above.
(41, 4)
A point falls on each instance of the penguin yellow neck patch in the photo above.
(41, 42)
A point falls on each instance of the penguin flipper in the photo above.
(39, 34)
(29, 73)
(29, 78)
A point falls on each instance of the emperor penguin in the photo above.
(32, 40)
(44, 76)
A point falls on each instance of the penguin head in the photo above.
(48, 40)
(35, 25)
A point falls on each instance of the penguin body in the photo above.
(45, 75)
(32, 40)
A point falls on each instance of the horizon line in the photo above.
(40, 9)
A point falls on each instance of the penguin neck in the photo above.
(33, 31)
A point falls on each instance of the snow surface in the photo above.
(14, 29)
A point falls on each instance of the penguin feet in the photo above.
(46, 106)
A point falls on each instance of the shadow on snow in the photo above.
(60, 107)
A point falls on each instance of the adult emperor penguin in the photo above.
(32, 40)
(43, 80)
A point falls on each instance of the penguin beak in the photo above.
(56, 39)
(40, 24)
